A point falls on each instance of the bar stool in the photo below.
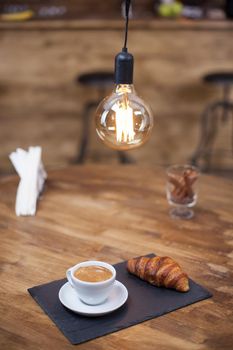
(101, 81)
(209, 118)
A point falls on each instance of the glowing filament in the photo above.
(124, 123)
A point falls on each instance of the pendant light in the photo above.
(123, 120)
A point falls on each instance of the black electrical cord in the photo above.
(127, 7)
(124, 59)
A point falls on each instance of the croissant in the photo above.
(159, 271)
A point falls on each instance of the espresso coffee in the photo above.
(93, 273)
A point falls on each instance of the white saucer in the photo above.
(69, 298)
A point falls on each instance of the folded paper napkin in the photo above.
(32, 175)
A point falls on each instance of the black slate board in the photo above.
(145, 302)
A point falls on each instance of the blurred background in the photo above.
(47, 46)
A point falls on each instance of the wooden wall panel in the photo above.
(41, 104)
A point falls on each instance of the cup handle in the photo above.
(69, 277)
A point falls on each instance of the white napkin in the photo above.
(32, 175)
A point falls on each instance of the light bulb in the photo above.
(123, 120)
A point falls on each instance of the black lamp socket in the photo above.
(124, 68)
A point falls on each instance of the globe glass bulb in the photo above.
(123, 120)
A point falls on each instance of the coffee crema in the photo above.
(93, 273)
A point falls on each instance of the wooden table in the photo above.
(113, 214)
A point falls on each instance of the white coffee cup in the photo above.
(92, 293)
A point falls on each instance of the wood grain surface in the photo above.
(111, 214)
(117, 24)
(40, 60)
